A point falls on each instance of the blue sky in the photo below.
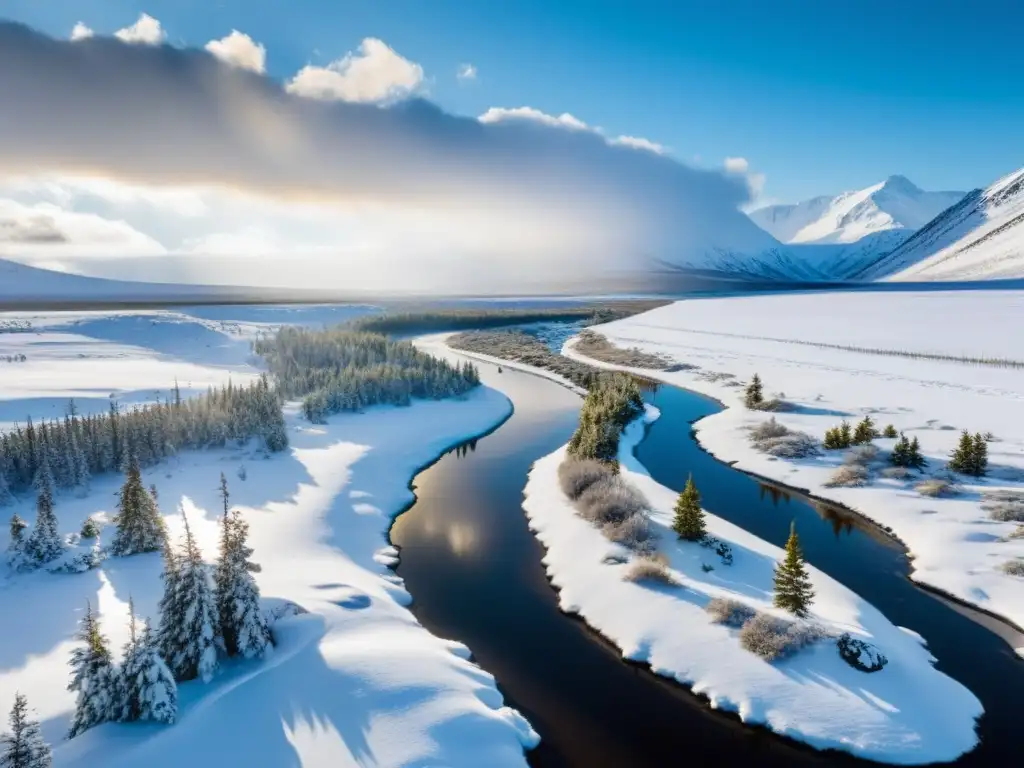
(818, 96)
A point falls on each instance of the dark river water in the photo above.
(474, 570)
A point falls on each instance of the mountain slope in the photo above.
(979, 238)
(896, 203)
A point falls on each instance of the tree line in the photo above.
(337, 369)
(66, 453)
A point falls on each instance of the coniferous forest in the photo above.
(336, 370)
(66, 453)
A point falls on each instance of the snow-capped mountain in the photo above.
(895, 203)
(979, 238)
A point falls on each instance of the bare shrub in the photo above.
(598, 347)
(936, 487)
(634, 532)
(732, 613)
(1006, 506)
(610, 500)
(861, 455)
(848, 476)
(776, 404)
(768, 429)
(897, 473)
(652, 569)
(773, 638)
(1017, 534)
(576, 475)
(1013, 567)
(778, 440)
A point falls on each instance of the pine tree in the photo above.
(865, 431)
(43, 480)
(916, 460)
(793, 590)
(18, 527)
(140, 528)
(23, 747)
(150, 690)
(689, 519)
(79, 466)
(755, 393)
(979, 455)
(889, 431)
(44, 543)
(901, 452)
(242, 624)
(844, 434)
(169, 607)
(188, 636)
(963, 457)
(6, 497)
(94, 678)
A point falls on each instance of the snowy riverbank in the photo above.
(790, 341)
(907, 713)
(355, 680)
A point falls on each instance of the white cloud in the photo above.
(466, 72)
(240, 50)
(81, 32)
(145, 31)
(637, 142)
(375, 73)
(736, 164)
(564, 120)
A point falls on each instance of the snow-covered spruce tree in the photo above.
(44, 543)
(242, 623)
(168, 608)
(43, 480)
(18, 527)
(689, 519)
(188, 635)
(23, 746)
(140, 528)
(79, 465)
(6, 497)
(150, 692)
(793, 590)
(754, 396)
(94, 677)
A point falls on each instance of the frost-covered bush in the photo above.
(848, 476)
(897, 473)
(936, 487)
(778, 440)
(1013, 567)
(610, 500)
(1004, 505)
(732, 613)
(1017, 534)
(773, 638)
(90, 529)
(634, 532)
(775, 404)
(653, 568)
(576, 475)
(859, 654)
(861, 455)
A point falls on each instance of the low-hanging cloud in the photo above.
(523, 194)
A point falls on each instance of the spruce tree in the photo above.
(889, 431)
(6, 497)
(18, 527)
(979, 455)
(845, 439)
(23, 746)
(140, 528)
(754, 396)
(169, 607)
(79, 466)
(44, 543)
(900, 456)
(793, 590)
(865, 431)
(689, 518)
(43, 479)
(189, 636)
(963, 457)
(916, 459)
(150, 690)
(94, 678)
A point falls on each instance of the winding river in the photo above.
(476, 575)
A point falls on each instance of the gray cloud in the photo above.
(164, 116)
(33, 230)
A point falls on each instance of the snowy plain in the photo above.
(953, 544)
(354, 680)
(907, 713)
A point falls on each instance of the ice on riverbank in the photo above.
(834, 355)
(908, 713)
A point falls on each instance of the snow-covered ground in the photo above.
(907, 713)
(954, 545)
(355, 680)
